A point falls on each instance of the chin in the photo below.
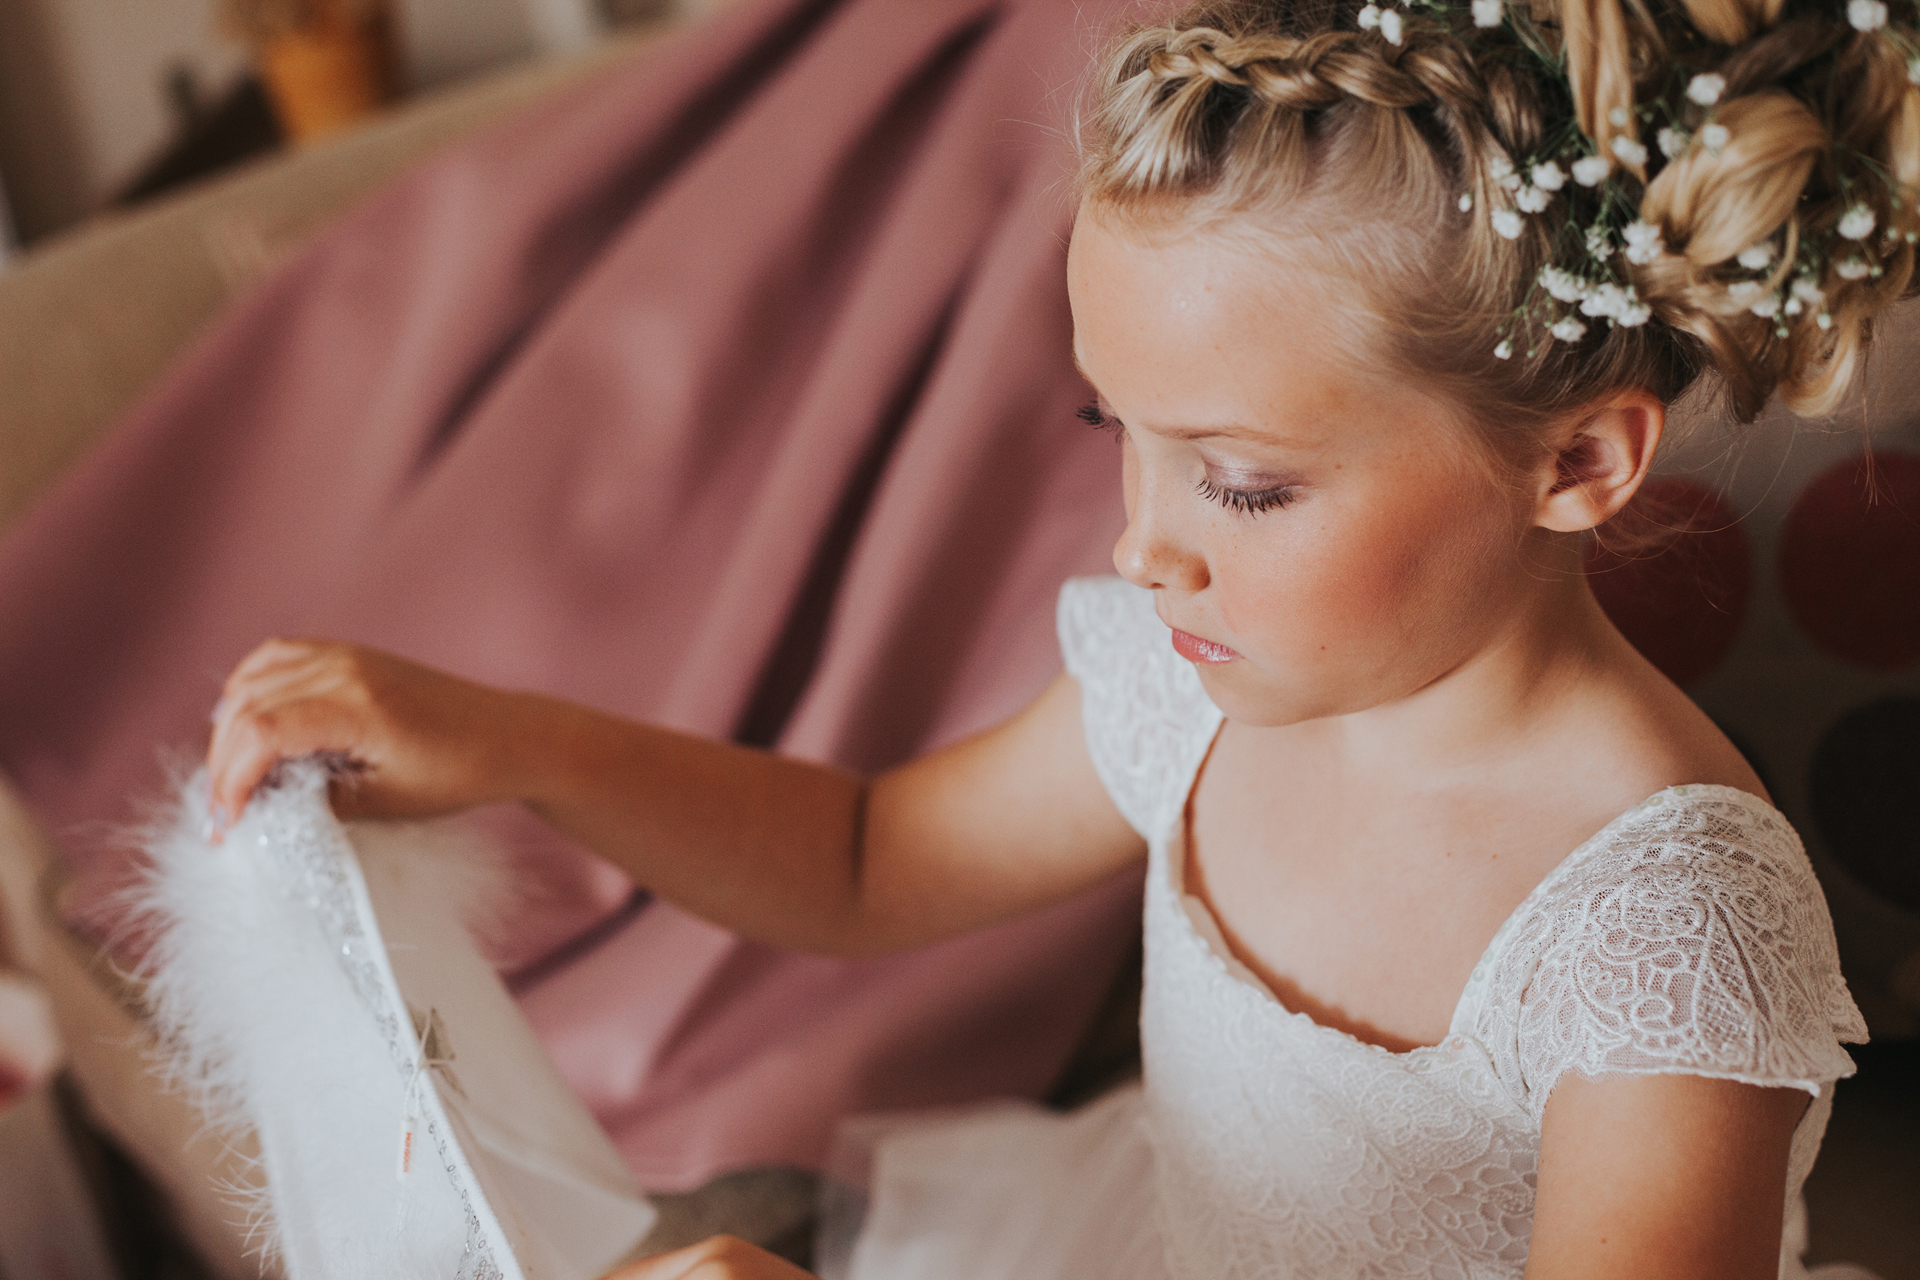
(1247, 699)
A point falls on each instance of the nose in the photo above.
(1150, 553)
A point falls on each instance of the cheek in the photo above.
(1392, 574)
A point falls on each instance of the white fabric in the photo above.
(1687, 936)
(317, 987)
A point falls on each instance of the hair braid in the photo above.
(1397, 156)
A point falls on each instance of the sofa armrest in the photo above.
(88, 320)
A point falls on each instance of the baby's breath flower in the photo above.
(1634, 314)
(1806, 290)
(1507, 223)
(1466, 201)
(1618, 117)
(1549, 176)
(1715, 136)
(1755, 257)
(1504, 351)
(1794, 307)
(1562, 284)
(1643, 242)
(1672, 141)
(1824, 320)
(1369, 18)
(1390, 25)
(1568, 329)
(1605, 299)
(1591, 171)
(1499, 167)
(1532, 200)
(1867, 15)
(1766, 307)
(1488, 13)
(1913, 70)
(1745, 292)
(1706, 88)
(1629, 151)
(1599, 243)
(1857, 223)
(1853, 269)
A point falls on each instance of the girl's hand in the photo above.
(414, 741)
(720, 1258)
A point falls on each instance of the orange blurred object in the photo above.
(330, 74)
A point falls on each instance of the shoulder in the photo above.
(1145, 713)
(1688, 937)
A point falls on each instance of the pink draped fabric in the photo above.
(731, 391)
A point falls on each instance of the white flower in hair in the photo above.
(1824, 320)
(1807, 291)
(1857, 223)
(1549, 176)
(1766, 307)
(1706, 88)
(1867, 15)
(1853, 269)
(1507, 223)
(1629, 151)
(1618, 117)
(1562, 284)
(1913, 70)
(1591, 171)
(1599, 243)
(1643, 242)
(1715, 136)
(1466, 201)
(1605, 299)
(1504, 351)
(1488, 13)
(1369, 18)
(1634, 314)
(1755, 257)
(1568, 330)
(1532, 200)
(1390, 25)
(1745, 292)
(1672, 141)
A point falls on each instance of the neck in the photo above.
(1499, 702)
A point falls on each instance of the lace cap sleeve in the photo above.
(1690, 938)
(1148, 721)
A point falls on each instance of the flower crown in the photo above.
(1588, 280)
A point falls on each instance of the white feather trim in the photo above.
(287, 1008)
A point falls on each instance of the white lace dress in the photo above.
(1688, 936)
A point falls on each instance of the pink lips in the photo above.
(1194, 649)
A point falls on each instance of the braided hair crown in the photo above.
(1547, 200)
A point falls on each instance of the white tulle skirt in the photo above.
(1009, 1191)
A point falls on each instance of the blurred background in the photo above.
(104, 103)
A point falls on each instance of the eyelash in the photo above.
(1250, 502)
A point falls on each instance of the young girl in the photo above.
(1474, 949)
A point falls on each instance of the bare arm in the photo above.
(791, 853)
(1665, 1177)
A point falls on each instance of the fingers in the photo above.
(275, 706)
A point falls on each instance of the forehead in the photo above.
(1178, 327)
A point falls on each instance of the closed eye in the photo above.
(1249, 502)
(1094, 416)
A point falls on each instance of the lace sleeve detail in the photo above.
(1147, 718)
(1692, 939)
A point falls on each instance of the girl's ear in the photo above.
(1595, 464)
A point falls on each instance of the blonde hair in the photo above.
(1390, 156)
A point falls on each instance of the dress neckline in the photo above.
(1213, 939)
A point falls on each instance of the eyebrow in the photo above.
(1227, 430)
